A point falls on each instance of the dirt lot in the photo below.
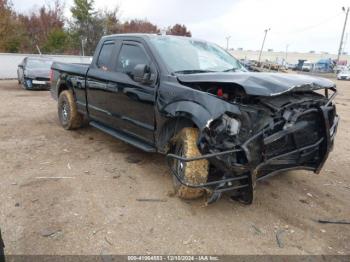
(94, 208)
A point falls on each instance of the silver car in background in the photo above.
(34, 73)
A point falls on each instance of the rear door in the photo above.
(98, 78)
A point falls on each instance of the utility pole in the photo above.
(345, 42)
(83, 42)
(286, 53)
(342, 34)
(262, 46)
(82, 47)
(227, 42)
(37, 47)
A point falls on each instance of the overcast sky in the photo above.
(304, 25)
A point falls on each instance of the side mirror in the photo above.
(142, 74)
(20, 65)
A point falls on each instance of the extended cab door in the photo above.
(134, 102)
(98, 79)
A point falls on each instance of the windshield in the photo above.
(38, 64)
(186, 55)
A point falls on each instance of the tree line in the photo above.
(48, 30)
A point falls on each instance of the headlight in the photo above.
(232, 125)
(225, 124)
(221, 133)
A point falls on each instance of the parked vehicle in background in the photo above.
(324, 66)
(221, 128)
(340, 68)
(344, 75)
(291, 66)
(34, 73)
(307, 66)
(249, 64)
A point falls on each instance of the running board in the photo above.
(124, 137)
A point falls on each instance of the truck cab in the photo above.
(221, 128)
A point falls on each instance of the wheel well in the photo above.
(61, 88)
(170, 129)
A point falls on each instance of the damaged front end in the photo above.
(289, 131)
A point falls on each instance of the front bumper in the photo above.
(293, 159)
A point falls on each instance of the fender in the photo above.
(63, 84)
(60, 86)
(191, 110)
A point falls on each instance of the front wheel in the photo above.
(195, 172)
(25, 84)
(68, 114)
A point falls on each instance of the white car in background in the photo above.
(344, 75)
(307, 66)
(340, 68)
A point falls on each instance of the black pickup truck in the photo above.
(221, 128)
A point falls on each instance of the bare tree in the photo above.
(178, 29)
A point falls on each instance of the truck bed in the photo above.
(73, 69)
(66, 69)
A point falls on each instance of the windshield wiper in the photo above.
(234, 69)
(193, 71)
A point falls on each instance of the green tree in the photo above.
(83, 11)
(57, 41)
(84, 24)
(12, 45)
(8, 36)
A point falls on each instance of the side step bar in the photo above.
(124, 137)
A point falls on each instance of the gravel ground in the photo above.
(94, 207)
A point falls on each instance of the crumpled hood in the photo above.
(261, 84)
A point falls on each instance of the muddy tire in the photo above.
(67, 111)
(194, 172)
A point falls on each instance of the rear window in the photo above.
(38, 64)
(104, 58)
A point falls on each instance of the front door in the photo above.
(134, 103)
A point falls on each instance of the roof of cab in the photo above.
(143, 36)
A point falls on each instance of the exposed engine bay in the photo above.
(293, 130)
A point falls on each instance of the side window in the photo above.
(129, 57)
(103, 61)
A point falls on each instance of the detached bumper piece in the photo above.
(301, 142)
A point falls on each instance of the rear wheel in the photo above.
(194, 172)
(68, 114)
